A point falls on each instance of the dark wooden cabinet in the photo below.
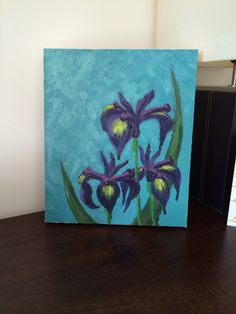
(214, 147)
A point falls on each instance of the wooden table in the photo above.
(101, 269)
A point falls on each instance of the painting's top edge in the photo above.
(119, 49)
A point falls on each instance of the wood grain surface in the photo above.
(57, 268)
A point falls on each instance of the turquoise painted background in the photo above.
(77, 85)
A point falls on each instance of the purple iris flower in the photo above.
(159, 175)
(122, 122)
(108, 189)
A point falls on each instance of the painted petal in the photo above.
(126, 115)
(118, 106)
(119, 132)
(125, 103)
(105, 163)
(154, 157)
(108, 194)
(124, 188)
(141, 173)
(151, 174)
(165, 121)
(142, 103)
(172, 174)
(134, 189)
(86, 195)
(112, 163)
(108, 112)
(167, 161)
(91, 174)
(129, 173)
(164, 108)
(166, 125)
(117, 168)
(161, 191)
(145, 158)
(142, 155)
(148, 152)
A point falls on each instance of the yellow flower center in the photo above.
(108, 107)
(81, 178)
(119, 127)
(160, 114)
(160, 184)
(167, 168)
(108, 191)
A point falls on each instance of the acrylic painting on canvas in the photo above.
(118, 133)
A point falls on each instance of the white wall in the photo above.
(208, 25)
(26, 27)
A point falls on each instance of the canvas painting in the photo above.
(118, 134)
(232, 204)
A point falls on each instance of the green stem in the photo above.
(151, 204)
(108, 216)
(135, 147)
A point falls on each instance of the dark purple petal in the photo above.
(124, 188)
(145, 156)
(91, 174)
(136, 131)
(141, 173)
(164, 108)
(86, 195)
(105, 163)
(160, 190)
(118, 106)
(119, 133)
(108, 194)
(167, 161)
(151, 174)
(117, 168)
(125, 103)
(166, 124)
(134, 189)
(112, 163)
(172, 174)
(154, 157)
(165, 121)
(126, 116)
(120, 141)
(142, 155)
(148, 152)
(110, 112)
(142, 103)
(129, 173)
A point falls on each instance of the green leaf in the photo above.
(172, 151)
(145, 213)
(135, 145)
(177, 135)
(77, 209)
